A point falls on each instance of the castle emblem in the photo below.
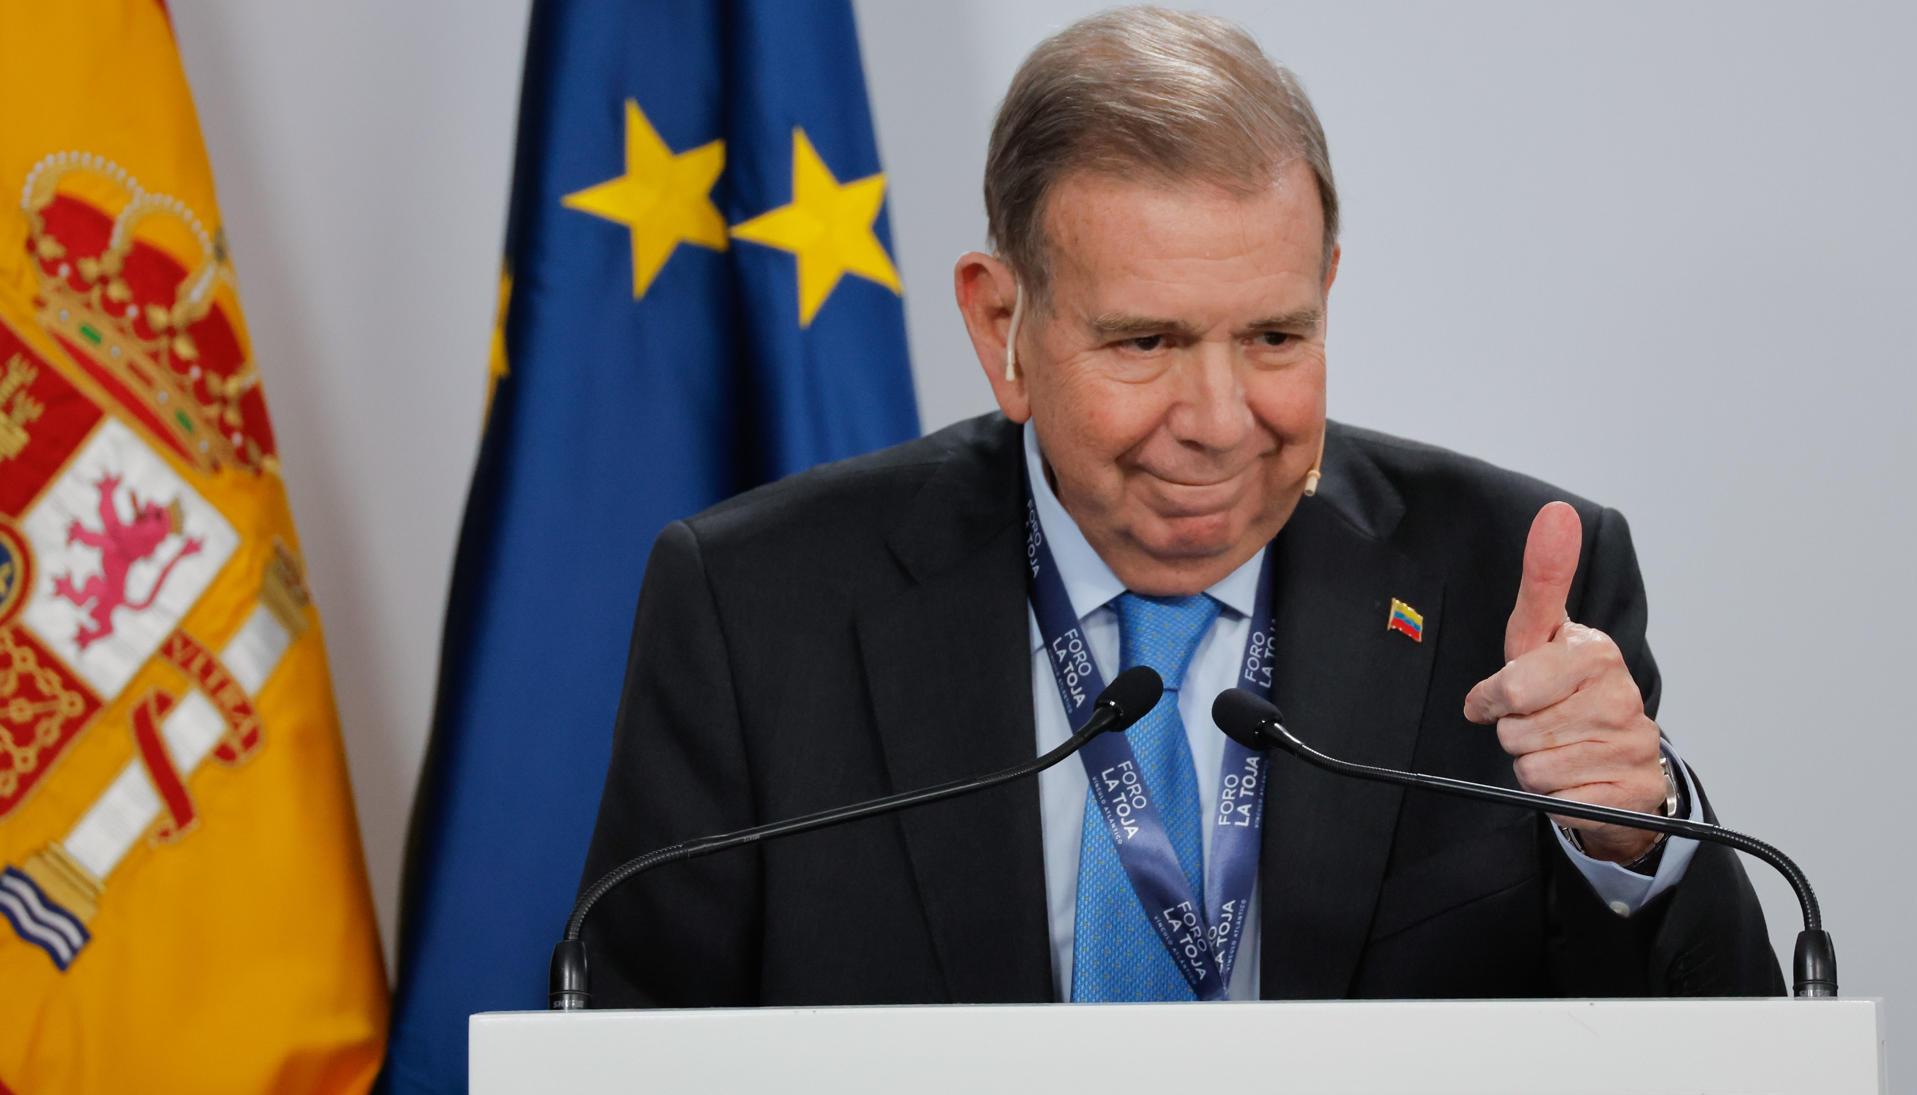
(18, 409)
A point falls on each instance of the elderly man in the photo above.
(1161, 487)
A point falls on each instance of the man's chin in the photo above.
(1181, 556)
(1195, 538)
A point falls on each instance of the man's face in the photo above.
(1176, 379)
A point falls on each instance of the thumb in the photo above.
(1550, 561)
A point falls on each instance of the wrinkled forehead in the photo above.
(1122, 243)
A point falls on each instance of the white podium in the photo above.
(1535, 1047)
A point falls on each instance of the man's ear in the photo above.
(1331, 268)
(987, 295)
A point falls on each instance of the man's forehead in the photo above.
(1077, 189)
(1119, 246)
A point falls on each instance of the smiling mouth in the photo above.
(1232, 478)
(1176, 499)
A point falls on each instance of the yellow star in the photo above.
(496, 368)
(827, 226)
(665, 199)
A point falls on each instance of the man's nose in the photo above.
(1211, 410)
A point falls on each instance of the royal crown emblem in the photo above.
(141, 295)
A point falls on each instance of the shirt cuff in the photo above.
(1625, 890)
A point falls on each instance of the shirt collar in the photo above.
(1089, 582)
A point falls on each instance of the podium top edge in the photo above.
(1608, 1004)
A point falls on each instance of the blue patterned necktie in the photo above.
(1115, 953)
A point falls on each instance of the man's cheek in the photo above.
(1110, 425)
(1290, 403)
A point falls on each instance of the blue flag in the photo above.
(699, 296)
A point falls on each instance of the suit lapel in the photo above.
(1355, 689)
(948, 666)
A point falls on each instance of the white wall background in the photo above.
(1660, 254)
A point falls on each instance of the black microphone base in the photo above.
(566, 980)
(1814, 966)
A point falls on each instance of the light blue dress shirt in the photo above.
(1090, 585)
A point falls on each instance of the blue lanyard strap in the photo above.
(1201, 937)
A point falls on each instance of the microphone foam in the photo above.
(1241, 715)
(1133, 692)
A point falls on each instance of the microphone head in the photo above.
(1131, 694)
(1243, 716)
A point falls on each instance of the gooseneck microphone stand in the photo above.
(1256, 724)
(1126, 700)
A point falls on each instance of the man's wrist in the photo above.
(1645, 860)
(1629, 856)
(1646, 864)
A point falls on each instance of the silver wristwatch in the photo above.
(1671, 797)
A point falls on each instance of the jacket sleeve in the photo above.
(686, 934)
(1705, 936)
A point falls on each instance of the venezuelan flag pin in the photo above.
(1405, 620)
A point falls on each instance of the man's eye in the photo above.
(1145, 343)
(1274, 338)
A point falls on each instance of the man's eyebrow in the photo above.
(1119, 325)
(1303, 319)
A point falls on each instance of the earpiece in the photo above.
(1011, 336)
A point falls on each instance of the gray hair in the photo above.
(1142, 90)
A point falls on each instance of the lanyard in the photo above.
(1202, 938)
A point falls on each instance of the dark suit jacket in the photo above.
(861, 629)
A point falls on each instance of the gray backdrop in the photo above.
(1656, 253)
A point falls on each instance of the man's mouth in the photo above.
(1195, 496)
(1177, 482)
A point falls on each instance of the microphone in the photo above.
(1127, 699)
(1248, 719)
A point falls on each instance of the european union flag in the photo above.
(699, 296)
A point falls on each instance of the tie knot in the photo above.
(1163, 632)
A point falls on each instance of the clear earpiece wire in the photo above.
(1011, 336)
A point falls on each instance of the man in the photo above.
(1161, 488)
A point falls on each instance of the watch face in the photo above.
(1670, 786)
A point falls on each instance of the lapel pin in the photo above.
(1405, 620)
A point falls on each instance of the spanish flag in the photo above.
(183, 904)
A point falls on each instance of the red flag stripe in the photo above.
(159, 763)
